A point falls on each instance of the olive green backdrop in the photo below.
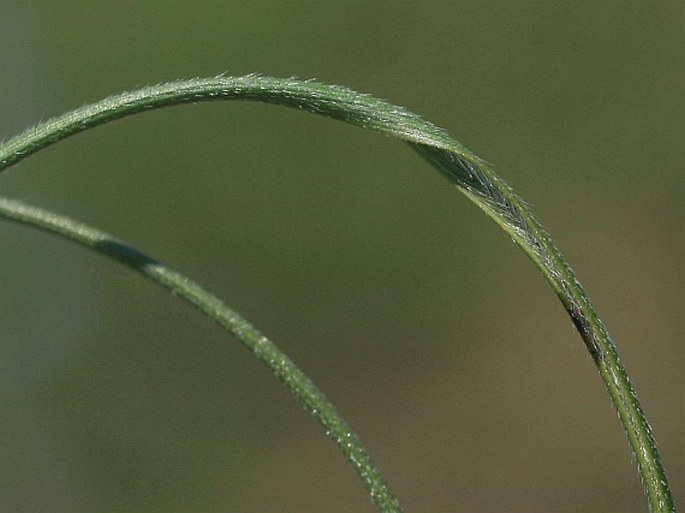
(429, 329)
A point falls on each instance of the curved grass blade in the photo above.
(469, 173)
(264, 349)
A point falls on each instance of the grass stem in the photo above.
(473, 176)
(263, 348)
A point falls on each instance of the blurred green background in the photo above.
(416, 315)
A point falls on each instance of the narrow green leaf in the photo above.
(263, 348)
(470, 174)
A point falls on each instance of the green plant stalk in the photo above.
(469, 173)
(264, 349)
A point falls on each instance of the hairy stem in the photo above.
(264, 349)
(470, 174)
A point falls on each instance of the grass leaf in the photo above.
(469, 173)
